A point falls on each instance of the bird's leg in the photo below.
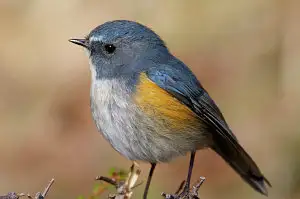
(188, 179)
(149, 180)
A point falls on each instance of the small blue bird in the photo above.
(151, 107)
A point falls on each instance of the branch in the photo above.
(38, 195)
(125, 187)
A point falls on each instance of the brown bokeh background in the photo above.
(246, 53)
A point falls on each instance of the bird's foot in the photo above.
(186, 193)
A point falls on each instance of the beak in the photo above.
(80, 42)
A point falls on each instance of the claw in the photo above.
(186, 193)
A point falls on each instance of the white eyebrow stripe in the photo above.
(92, 38)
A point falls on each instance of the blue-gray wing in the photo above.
(183, 85)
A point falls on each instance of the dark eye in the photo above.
(109, 48)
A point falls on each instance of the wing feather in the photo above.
(184, 86)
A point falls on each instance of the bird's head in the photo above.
(116, 47)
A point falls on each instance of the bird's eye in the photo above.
(109, 48)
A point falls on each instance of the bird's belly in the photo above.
(133, 133)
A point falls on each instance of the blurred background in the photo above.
(246, 54)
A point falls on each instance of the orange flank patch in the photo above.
(158, 103)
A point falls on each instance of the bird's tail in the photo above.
(241, 162)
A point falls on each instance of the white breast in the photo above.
(132, 133)
(112, 112)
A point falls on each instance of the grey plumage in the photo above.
(131, 132)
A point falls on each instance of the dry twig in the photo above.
(39, 195)
(124, 188)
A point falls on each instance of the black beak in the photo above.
(80, 42)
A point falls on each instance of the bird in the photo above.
(151, 107)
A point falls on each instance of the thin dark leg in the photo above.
(188, 179)
(149, 180)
